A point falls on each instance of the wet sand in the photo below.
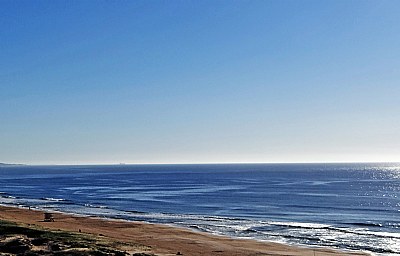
(159, 239)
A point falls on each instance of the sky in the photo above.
(91, 82)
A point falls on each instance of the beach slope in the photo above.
(138, 237)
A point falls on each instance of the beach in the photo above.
(157, 239)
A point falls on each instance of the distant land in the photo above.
(4, 164)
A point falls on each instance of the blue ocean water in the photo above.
(346, 206)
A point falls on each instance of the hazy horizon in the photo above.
(199, 82)
(192, 163)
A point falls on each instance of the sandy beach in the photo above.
(158, 239)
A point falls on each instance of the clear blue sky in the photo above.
(199, 81)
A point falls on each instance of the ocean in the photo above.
(345, 206)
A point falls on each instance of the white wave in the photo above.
(54, 199)
(300, 224)
(96, 206)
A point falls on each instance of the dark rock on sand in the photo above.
(15, 246)
(54, 247)
(39, 241)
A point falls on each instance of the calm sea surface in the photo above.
(347, 206)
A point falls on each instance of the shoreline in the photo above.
(161, 239)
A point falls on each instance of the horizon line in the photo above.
(199, 163)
